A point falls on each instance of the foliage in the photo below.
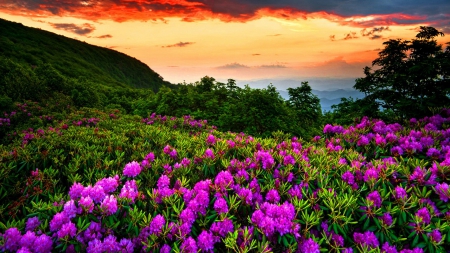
(409, 74)
(169, 182)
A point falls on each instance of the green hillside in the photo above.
(73, 58)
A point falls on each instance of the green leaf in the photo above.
(415, 241)
(366, 224)
(285, 242)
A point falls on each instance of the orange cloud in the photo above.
(83, 29)
(180, 44)
(363, 15)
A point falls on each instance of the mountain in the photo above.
(329, 97)
(75, 59)
(316, 83)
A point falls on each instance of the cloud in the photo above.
(106, 36)
(233, 66)
(273, 66)
(180, 44)
(363, 13)
(256, 54)
(83, 29)
(376, 37)
(366, 32)
(371, 32)
(274, 35)
(350, 35)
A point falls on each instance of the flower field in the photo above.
(93, 181)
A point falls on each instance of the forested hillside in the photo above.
(72, 58)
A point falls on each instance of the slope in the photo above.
(73, 58)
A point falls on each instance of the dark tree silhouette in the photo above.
(410, 77)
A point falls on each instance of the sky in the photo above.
(247, 40)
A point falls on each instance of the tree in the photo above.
(305, 103)
(409, 75)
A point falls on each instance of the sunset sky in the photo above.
(184, 40)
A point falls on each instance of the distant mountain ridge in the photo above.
(329, 97)
(74, 58)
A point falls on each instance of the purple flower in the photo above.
(129, 191)
(57, 221)
(368, 238)
(273, 196)
(87, 204)
(70, 209)
(32, 223)
(296, 191)
(132, 169)
(348, 177)
(165, 249)
(433, 153)
(391, 137)
(371, 175)
(157, 224)
(397, 151)
(187, 216)
(189, 246)
(388, 249)
(109, 205)
(363, 141)
(209, 154)
(150, 157)
(338, 239)
(221, 205)
(109, 184)
(224, 180)
(167, 149)
(96, 193)
(95, 246)
(375, 198)
(173, 154)
(231, 143)
(328, 129)
(185, 162)
(288, 160)
(380, 140)
(94, 231)
(163, 182)
(24, 250)
(443, 191)
(435, 236)
(415, 250)
(386, 218)
(309, 246)
(28, 239)
(246, 195)
(110, 244)
(222, 228)
(265, 158)
(43, 244)
(424, 215)
(67, 229)
(400, 193)
(211, 140)
(205, 241)
(254, 186)
(126, 246)
(75, 190)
